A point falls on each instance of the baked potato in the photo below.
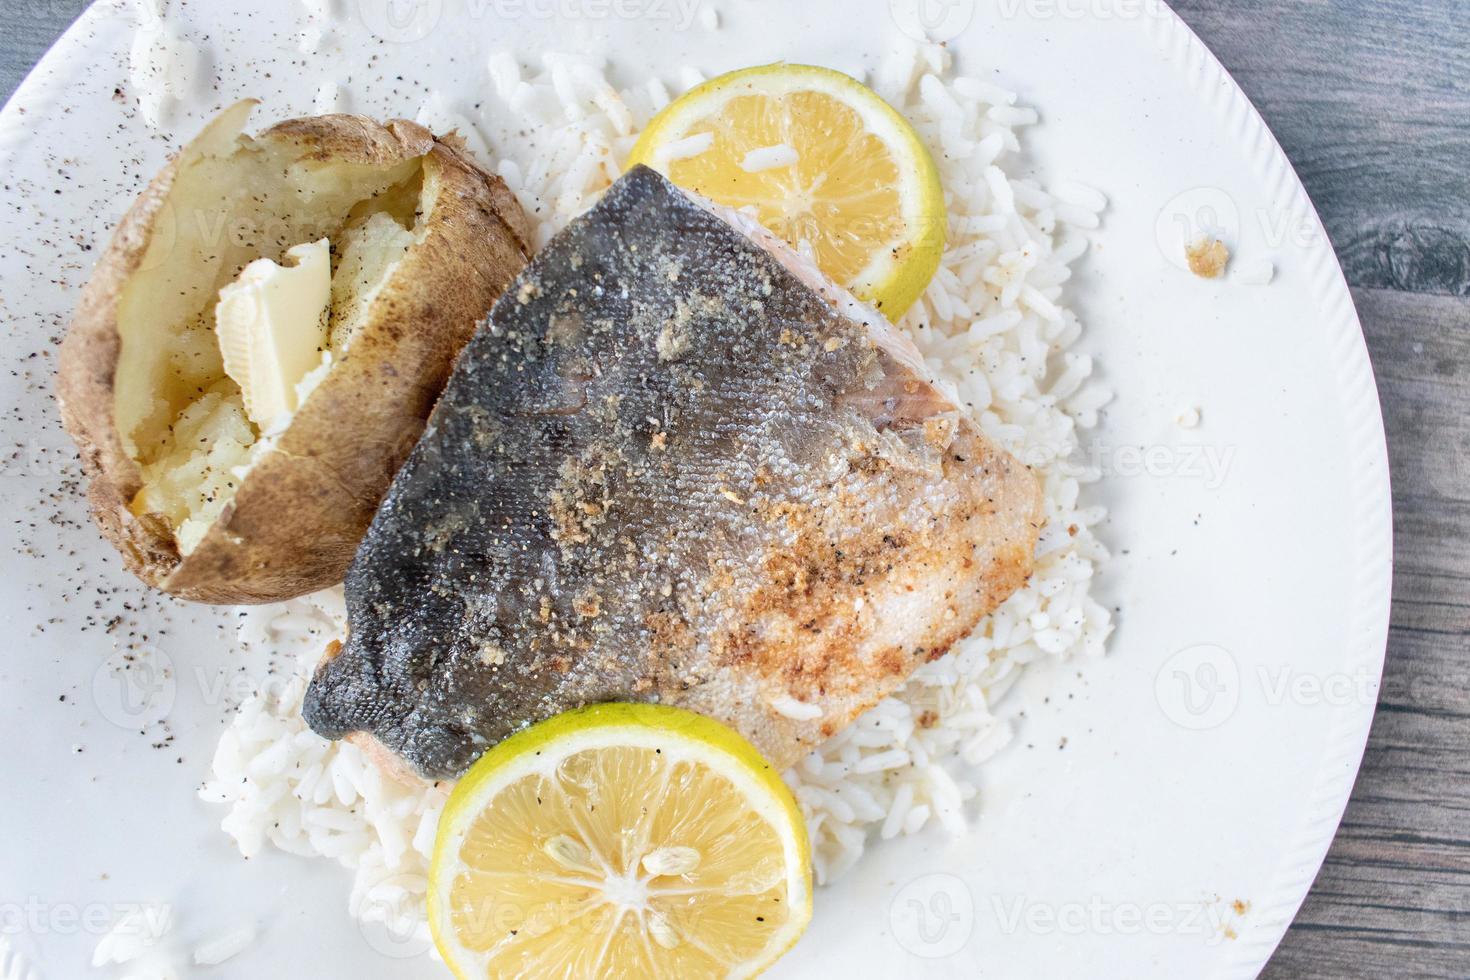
(203, 500)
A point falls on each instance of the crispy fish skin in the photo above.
(668, 470)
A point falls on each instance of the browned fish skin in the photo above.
(668, 470)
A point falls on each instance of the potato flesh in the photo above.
(179, 415)
(372, 248)
(191, 484)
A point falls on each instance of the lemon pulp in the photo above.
(620, 840)
(821, 161)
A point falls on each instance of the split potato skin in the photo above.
(299, 512)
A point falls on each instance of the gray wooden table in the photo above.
(1371, 99)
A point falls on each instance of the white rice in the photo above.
(1254, 272)
(163, 65)
(15, 965)
(225, 946)
(994, 328)
(769, 158)
(683, 149)
(139, 940)
(790, 707)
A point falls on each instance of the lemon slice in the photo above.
(619, 840)
(821, 159)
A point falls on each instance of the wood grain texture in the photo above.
(1371, 101)
(27, 29)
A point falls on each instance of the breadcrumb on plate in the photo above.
(1207, 258)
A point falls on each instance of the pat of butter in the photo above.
(272, 327)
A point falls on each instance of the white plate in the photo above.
(1207, 759)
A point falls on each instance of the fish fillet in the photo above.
(675, 465)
